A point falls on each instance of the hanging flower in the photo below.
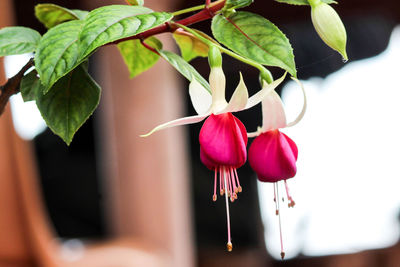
(273, 155)
(223, 137)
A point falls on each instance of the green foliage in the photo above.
(191, 46)
(135, 2)
(57, 52)
(255, 38)
(67, 45)
(184, 68)
(137, 57)
(232, 4)
(18, 40)
(51, 15)
(303, 2)
(30, 86)
(68, 105)
(111, 23)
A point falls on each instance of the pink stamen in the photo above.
(237, 181)
(291, 201)
(221, 186)
(276, 205)
(235, 189)
(229, 243)
(230, 185)
(215, 185)
(279, 217)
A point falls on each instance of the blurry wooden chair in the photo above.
(27, 237)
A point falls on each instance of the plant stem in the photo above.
(166, 27)
(223, 49)
(187, 10)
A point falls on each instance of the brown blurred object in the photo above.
(153, 226)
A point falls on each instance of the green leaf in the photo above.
(110, 23)
(233, 4)
(255, 38)
(70, 103)
(191, 46)
(135, 2)
(303, 2)
(57, 52)
(51, 15)
(30, 86)
(137, 57)
(184, 68)
(18, 40)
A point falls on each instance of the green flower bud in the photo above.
(265, 75)
(214, 57)
(329, 26)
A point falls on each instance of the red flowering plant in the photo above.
(57, 79)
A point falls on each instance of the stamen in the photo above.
(221, 186)
(235, 189)
(229, 243)
(276, 204)
(215, 185)
(237, 181)
(231, 192)
(291, 201)
(279, 217)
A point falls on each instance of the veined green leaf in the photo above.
(232, 4)
(110, 23)
(69, 103)
(30, 86)
(135, 2)
(303, 2)
(184, 68)
(256, 38)
(51, 15)
(57, 52)
(137, 57)
(191, 46)
(18, 40)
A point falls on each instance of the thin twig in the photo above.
(12, 86)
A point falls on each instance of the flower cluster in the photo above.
(223, 137)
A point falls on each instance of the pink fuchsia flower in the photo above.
(223, 137)
(272, 154)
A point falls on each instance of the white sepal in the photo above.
(200, 97)
(260, 95)
(217, 85)
(303, 110)
(273, 113)
(239, 98)
(177, 122)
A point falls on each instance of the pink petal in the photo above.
(223, 141)
(273, 155)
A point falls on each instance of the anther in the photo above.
(276, 212)
(221, 192)
(240, 189)
(282, 255)
(214, 197)
(229, 246)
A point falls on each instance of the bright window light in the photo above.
(26, 117)
(347, 186)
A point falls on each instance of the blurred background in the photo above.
(114, 199)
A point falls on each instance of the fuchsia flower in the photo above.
(273, 155)
(223, 137)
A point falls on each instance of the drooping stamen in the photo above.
(221, 186)
(279, 217)
(229, 243)
(235, 189)
(231, 192)
(215, 185)
(291, 201)
(237, 181)
(276, 205)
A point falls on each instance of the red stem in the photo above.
(204, 14)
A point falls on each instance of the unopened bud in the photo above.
(329, 26)
(265, 75)
(214, 57)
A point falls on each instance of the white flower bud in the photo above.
(329, 26)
